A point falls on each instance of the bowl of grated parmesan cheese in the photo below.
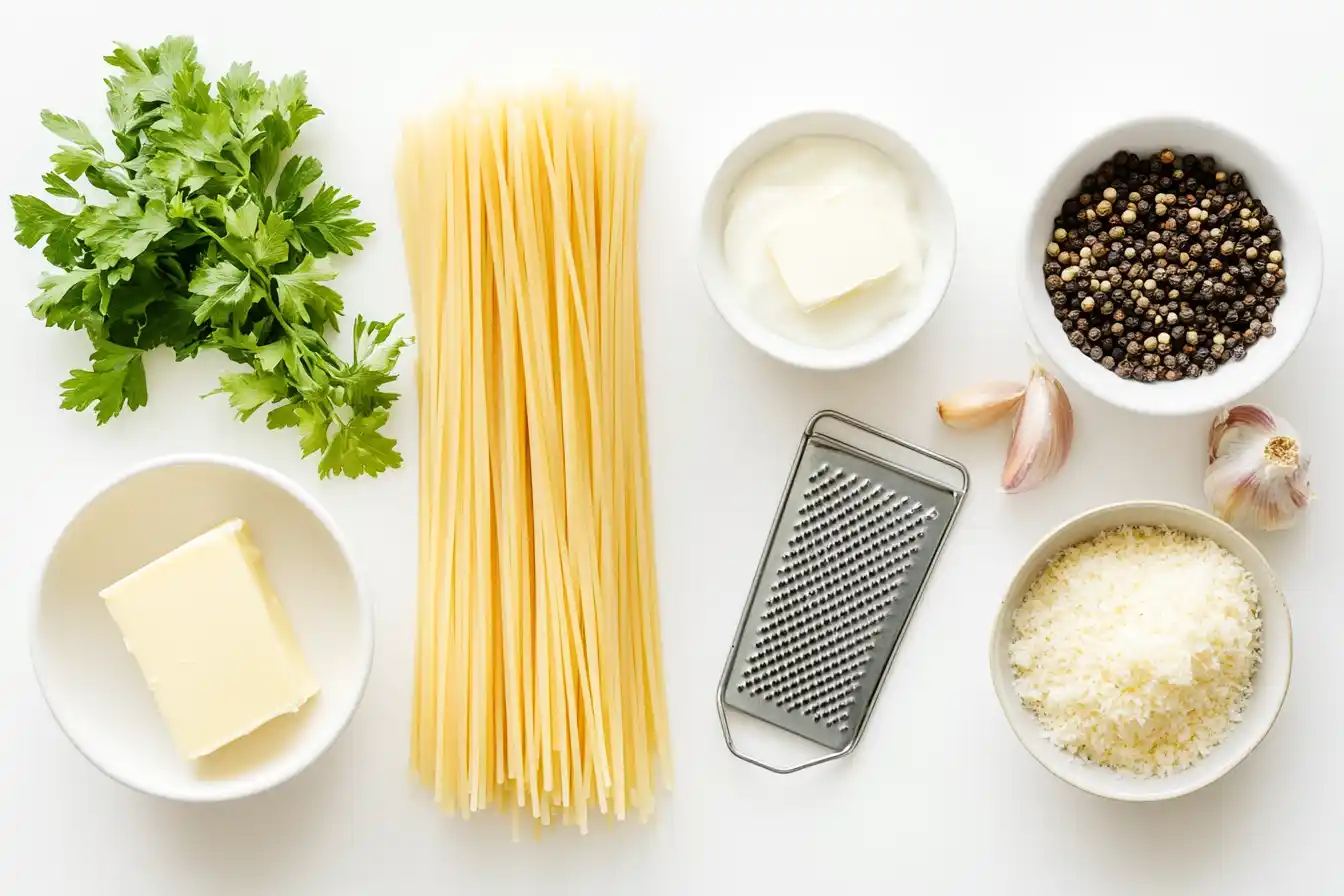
(1142, 651)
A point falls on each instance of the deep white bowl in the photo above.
(1266, 180)
(933, 206)
(1270, 682)
(92, 683)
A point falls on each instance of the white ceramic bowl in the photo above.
(933, 206)
(92, 683)
(1270, 683)
(1266, 180)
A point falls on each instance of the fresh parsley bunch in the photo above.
(200, 238)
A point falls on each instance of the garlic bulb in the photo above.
(1042, 434)
(979, 406)
(1258, 473)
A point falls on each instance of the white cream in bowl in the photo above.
(820, 282)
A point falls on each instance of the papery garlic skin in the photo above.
(1258, 474)
(982, 405)
(1042, 434)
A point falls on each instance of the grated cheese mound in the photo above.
(1136, 648)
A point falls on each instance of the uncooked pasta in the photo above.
(538, 667)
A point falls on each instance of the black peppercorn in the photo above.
(1147, 251)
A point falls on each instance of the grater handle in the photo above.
(961, 483)
(761, 763)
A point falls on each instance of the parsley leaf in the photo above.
(222, 285)
(325, 224)
(52, 306)
(299, 173)
(59, 186)
(249, 391)
(77, 132)
(117, 380)
(72, 162)
(33, 219)
(303, 294)
(358, 447)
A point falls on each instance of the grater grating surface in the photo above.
(853, 542)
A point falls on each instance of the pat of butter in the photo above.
(212, 640)
(832, 247)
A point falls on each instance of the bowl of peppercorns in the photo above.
(1170, 267)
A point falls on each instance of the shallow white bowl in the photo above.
(92, 683)
(1266, 180)
(1270, 683)
(933, 206)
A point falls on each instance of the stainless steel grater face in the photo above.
(853, 542)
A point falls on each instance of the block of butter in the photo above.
(833, 246)
(212, 639)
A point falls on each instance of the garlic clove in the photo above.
(979, 406)
(1042, 434)
(1258, 474)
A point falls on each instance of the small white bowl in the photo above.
(1266, 180)
(1270, 682)
(92, 683)
(933, 205)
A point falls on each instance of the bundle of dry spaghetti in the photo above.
(538, 669)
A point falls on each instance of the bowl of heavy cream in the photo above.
(827, 241)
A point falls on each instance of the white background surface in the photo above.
(940, 798)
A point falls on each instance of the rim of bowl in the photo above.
(996, 660)
(274, 477)
(1031, 290)
(781, 348)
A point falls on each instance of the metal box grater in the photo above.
(853, 542)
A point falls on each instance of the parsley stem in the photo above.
(264, 281)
